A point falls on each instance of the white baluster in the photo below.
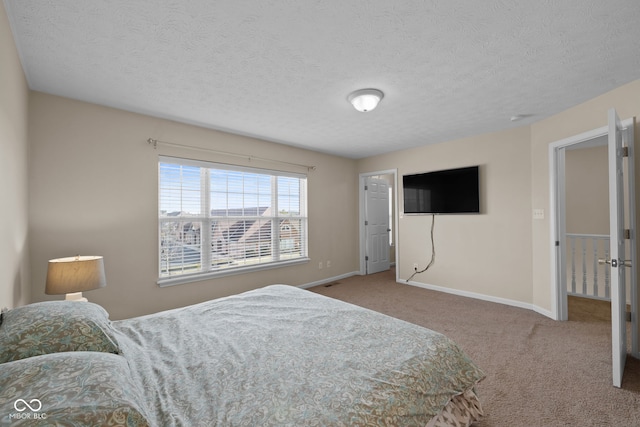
(573, 265)
(595, 267)
(607, 284)
(584, 265)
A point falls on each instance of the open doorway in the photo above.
(377, 221)
(617, 278)
(587, 231)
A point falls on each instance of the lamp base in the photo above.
(75, 296)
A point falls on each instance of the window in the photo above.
(217, 219)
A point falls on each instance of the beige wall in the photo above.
(14, 263)
(587, 189)
(93, 191)
(503, 252)
(581, 118)
(474, 253)
(88, 161)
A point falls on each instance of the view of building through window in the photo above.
(216, 217)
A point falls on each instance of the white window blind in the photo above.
(217, 219)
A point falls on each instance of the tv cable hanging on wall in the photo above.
(433, 251)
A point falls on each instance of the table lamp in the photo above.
(73, 275)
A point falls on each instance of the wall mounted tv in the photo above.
(451, 191)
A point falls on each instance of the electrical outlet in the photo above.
(538, 214)
(415, 267)
(320, 265)
(328, 264)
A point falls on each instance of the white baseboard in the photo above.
(482, 297)
(543, 311)
(328, 280)
(458, 292)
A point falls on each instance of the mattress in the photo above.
(283, 356)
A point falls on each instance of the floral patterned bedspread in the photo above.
(283, 356)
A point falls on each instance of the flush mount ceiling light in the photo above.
(365, 100)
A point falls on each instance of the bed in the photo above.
(276, 356)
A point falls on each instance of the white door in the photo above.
(623, 272)
(377, 224)
(617, 250)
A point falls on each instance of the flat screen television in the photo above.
(451, 191)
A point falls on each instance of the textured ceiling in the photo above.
(281, 70)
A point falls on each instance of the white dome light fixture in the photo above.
(365, 100)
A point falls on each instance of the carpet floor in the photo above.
(540, 372)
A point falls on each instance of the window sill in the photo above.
(199, 277)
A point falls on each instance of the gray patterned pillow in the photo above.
(71, 389)
(55, 326)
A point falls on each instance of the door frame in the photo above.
(362, 215)
(378, 227)
(559, 310)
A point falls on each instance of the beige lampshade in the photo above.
(75, 274)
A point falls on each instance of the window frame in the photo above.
(207, 220)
